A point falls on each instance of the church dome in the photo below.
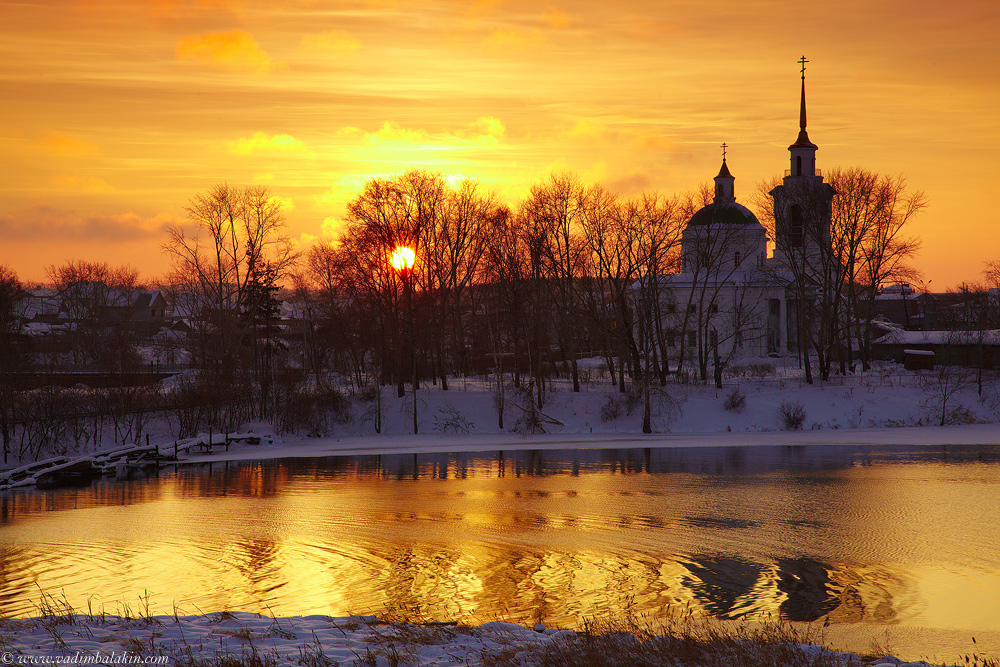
(726, 213)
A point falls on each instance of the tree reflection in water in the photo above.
(553, 536)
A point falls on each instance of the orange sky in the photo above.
(114, 114)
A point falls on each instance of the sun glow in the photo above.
(402, 258)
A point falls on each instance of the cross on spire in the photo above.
(723, 147)
(802, 105)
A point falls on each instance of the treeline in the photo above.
(517, 294)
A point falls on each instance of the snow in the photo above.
(99, 639)
(886, 406)
(902, 337)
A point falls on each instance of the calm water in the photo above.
(871, 537)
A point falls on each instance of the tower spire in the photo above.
(724, 181)
(802, 105)
(803, 151)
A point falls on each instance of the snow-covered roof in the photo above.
(900, 337)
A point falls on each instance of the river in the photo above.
(894, 544)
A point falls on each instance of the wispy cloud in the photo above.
(264, 143)
(504, 40)
(64, 145)
(85, 184)
(45, 223)
(331, 41)
(235, 50)
(556, 18)
(486, 130)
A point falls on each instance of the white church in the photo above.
(731, 299)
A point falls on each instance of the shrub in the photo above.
(793, 415)
(300, 409)
(633, 397)
(450, 420)
(756, 369)
(736, 401)
(611, 409)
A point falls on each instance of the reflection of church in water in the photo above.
(730, 296)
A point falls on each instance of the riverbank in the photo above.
(920, 436)
(235, 638)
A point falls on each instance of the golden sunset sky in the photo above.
(114, 114)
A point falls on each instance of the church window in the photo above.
(671, 338)
(795, 227)
(713, 307)
(798, 165)
(713, 338)
(691, 338)
(736, 259)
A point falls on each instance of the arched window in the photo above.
(736, 259)
(798, 165)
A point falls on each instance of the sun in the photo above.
(402, 258)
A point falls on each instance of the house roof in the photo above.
(901, 337)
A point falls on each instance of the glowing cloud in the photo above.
(61, 145)
(586, 130)
(392, 131)
(331, 41)
(556, 18)
(330, 227)
(484, 130)
(287, 203)
(262, 142)
(487, 130)
(235, 51)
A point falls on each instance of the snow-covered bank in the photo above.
(970, 434)
(250, 639)
(884, 407)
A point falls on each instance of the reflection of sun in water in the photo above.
(402, 258)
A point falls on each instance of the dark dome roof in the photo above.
(729, 213)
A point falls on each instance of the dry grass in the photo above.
(675, 643)
(395, 641)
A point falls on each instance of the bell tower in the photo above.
(803, 203)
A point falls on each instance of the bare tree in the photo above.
(455, 244)
(555, 210)
(237, 252)
(98, 300)
(13, 358)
